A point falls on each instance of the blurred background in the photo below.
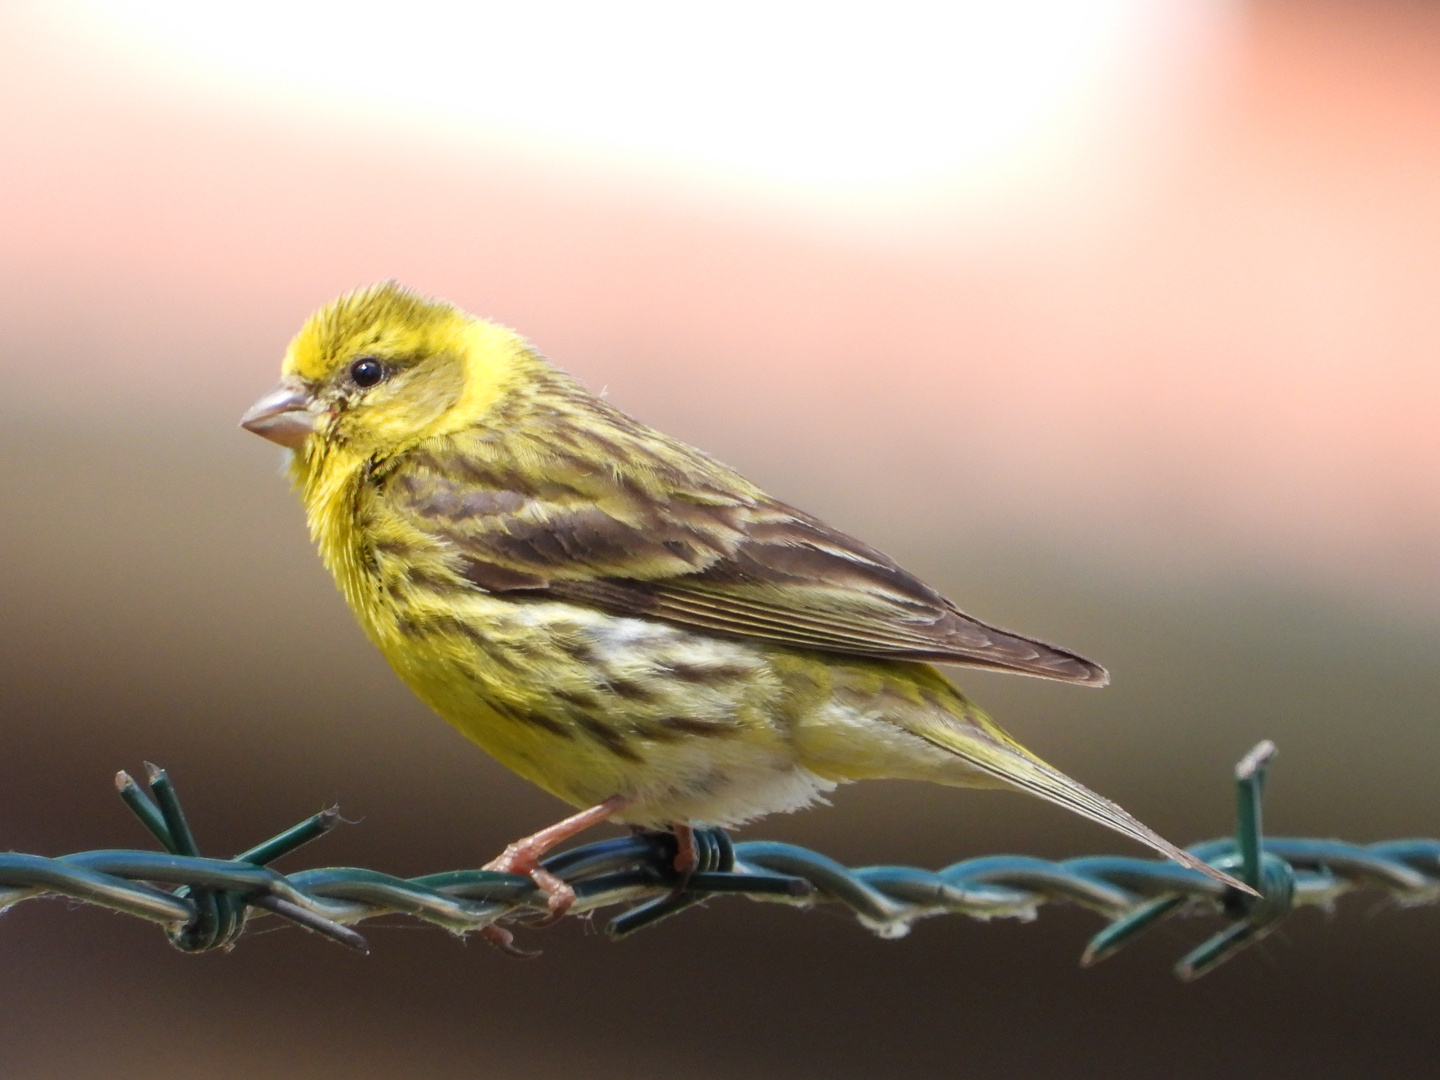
(1117, 320)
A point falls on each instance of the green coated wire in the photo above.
(211, 899)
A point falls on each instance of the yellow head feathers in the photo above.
(383, 367)
(386, 320)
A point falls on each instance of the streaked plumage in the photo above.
(610, 612)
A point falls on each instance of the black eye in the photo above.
(367, 371)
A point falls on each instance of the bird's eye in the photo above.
(367, 371)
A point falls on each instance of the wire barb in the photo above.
(205, 904)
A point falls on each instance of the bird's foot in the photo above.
(687, 859)
(518, 859)
(523, 856)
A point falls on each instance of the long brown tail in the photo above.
(974, 737)
(1040, 779)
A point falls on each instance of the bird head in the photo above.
(383, 368)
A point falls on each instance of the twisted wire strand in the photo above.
(205, 904)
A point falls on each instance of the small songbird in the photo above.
(612, 614)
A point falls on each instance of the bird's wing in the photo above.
(739, 566)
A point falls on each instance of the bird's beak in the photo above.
(283, 416)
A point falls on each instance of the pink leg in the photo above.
(686, 857)
(523, 856)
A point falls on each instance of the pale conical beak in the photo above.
(283, 416)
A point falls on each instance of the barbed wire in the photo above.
(205, 904)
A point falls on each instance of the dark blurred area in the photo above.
(1194, 438)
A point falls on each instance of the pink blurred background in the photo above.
(1154, 374)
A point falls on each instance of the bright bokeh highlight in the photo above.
(835, 101)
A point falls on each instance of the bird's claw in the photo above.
(497, 937)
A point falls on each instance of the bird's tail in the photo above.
(985, 747)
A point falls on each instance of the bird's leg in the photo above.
(687, 859)
(523, 856)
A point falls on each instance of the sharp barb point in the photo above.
(1259, 757)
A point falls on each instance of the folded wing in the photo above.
(729, 564)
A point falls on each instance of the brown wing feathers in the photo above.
(754, 569)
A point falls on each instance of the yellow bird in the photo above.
(609, 612)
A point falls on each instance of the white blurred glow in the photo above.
(822, 97)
